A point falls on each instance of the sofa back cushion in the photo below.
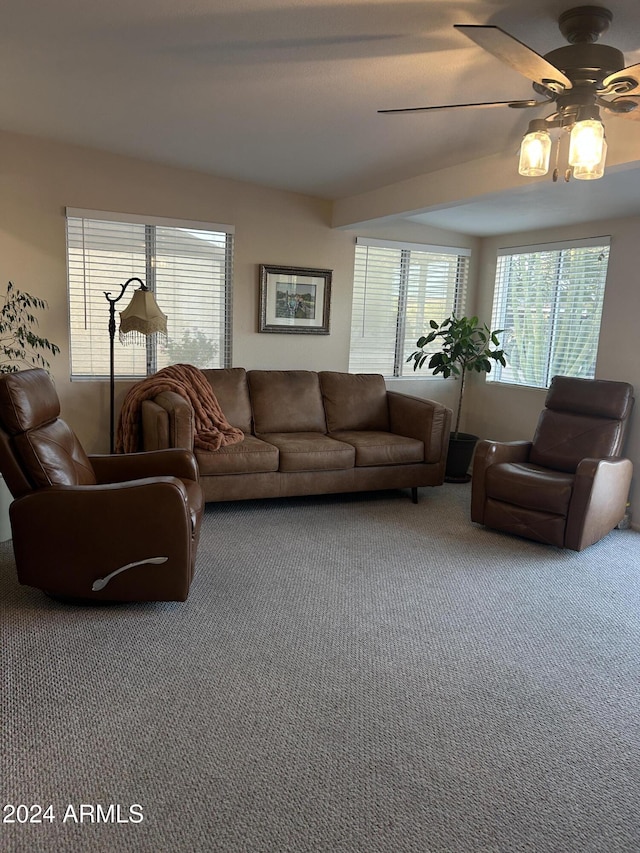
(286, 401)
(354, 401)
(232, 393)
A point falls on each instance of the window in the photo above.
(188, 266)
(548, 300)
(397, 289)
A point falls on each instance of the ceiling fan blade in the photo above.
(626, 80)
(516, 54)
(484, 104)
(626, 106)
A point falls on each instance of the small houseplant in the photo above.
(20, 345)
(465, 345)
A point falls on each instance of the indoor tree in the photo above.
(464, 345)
(20, 345)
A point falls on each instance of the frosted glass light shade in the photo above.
(591, 173)
(586, 144)
(534, 154)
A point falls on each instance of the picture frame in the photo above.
(294, 300)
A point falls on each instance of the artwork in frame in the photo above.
(294, 300)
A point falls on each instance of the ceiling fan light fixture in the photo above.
(591, 173)
(586, 144)
(535, 150)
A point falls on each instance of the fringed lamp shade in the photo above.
(141, 317)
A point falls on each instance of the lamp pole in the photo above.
(112, 334)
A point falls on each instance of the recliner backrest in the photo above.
(45, 449)
(583, 418)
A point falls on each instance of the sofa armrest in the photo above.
(489, 453)
(154, 426)
(425, 420)
(167, 421)
(599, 500)
(118, 467)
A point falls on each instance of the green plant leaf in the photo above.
(20, 345)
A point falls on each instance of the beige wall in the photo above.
(507, 412)
(39, 179)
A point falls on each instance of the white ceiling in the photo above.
(285, 93)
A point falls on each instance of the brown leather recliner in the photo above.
(568, 487)
(93, 528)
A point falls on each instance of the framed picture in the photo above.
(294, 300)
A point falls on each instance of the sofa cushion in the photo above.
(286, 401)
(374, 447)
(232, 393)
(354, 401)
(250, 456)
(311, 451)
(526, 485)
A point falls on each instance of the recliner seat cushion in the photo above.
(529, 486)
(311, 451)
(382, 448)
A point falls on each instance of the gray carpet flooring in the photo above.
(350, 674)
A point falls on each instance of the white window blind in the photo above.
(548, 299)
(187, 264)
(398, 288)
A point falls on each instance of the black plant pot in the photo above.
(459, 457)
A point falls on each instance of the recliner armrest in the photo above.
(492, 452)
(87, 532)
(118, 467)
(489, 453)
(599, 500)
(425, 420)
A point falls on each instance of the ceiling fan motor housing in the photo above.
(587, 64)
(584, 23)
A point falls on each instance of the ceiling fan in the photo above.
(579, 80)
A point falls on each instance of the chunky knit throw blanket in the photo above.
(212, 430)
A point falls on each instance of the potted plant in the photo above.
(465, 345)
(20, 345)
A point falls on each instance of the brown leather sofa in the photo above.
(93, 528)
(307, 433)
(568, 487)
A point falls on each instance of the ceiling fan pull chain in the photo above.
(556, 171)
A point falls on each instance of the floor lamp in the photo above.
(142, 316)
